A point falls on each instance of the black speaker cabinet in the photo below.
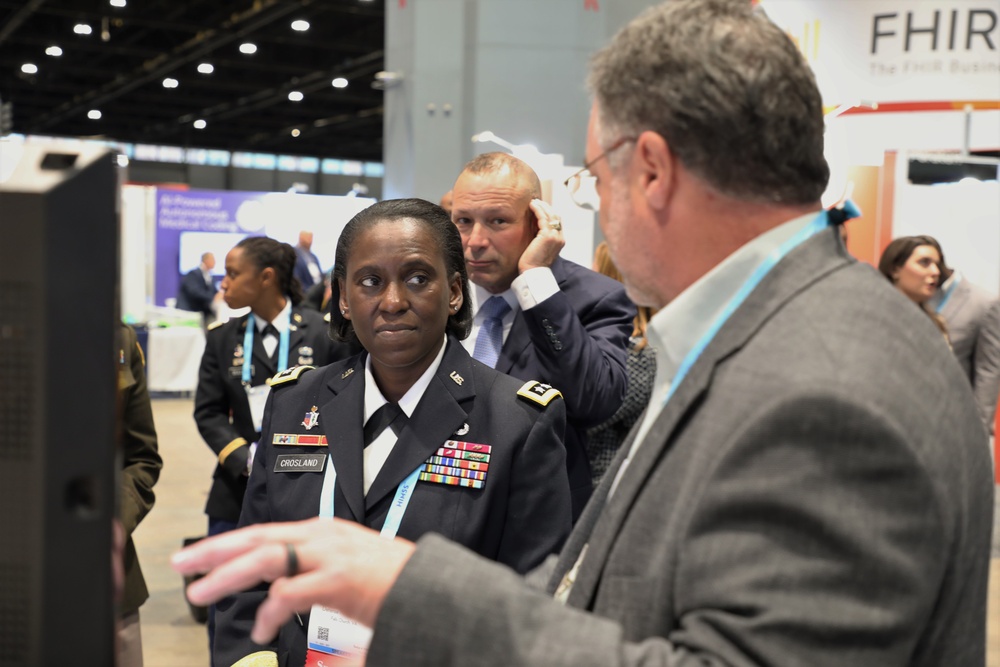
(58, 384)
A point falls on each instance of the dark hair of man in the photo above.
(264, 252)
(728, 91)
(436, 221)
(489, 163)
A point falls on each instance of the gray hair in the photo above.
(728, 91)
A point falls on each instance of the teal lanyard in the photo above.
(248, 346)
(396, 510)
(819, 223)
(947, 293)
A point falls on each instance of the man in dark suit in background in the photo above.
(810, 483)
(197, 292)
(559, 323)
(307, 267)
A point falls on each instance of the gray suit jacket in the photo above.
(973, 318)
(816, 493)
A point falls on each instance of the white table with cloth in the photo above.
(174, 356)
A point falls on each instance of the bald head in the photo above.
(513, 170)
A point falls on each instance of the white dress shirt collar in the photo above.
(281, 320)
(373, 395)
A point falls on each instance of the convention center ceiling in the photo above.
(279, 76)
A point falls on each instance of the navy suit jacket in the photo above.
(302, 267)
(521, 515)
(195, 294)
(576, 341)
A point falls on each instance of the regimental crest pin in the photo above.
(312, 418)
(463, 430)
(238, 352)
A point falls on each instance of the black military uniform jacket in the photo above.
(221, 408)
(520, 515)
(141, 462)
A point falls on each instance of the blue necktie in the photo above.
(490, 338)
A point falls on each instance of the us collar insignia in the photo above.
(312, 418)
(346, 373)
(457, 378)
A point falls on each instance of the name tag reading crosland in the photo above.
(299, 463)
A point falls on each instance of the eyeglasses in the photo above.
(582, 185)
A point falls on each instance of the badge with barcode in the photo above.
(332, 633)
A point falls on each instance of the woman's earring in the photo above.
(343, 311)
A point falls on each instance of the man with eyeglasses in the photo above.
(539, 316)
(810, 484)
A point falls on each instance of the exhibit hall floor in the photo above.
(170, 636)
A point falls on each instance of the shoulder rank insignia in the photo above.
(216, 324)
(537, 392)
(326, 318)
(289, 376)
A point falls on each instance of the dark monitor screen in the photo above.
(58, 394)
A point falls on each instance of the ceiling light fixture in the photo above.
(248, 48)
(117, 3)
(53, 51)
(170, 83)
(296, 96)
(300, 25)
(206, 68)
(296, 132)
(82, 29)
(200, 124)
(339, 82)
(29, 68)
(94, 114)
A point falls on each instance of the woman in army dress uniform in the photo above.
(241, 355)
(466, 452)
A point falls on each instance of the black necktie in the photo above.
(269, 330)
(388, 415)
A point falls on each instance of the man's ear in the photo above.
(654, 163)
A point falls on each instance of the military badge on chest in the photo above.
(458, 463)
(238, 355)
(312, 418)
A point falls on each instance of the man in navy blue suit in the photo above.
(561, 323)
(307, 267)
(197, 290)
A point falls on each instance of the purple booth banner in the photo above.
(190, 222)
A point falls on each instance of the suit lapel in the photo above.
(517, 340)
(584, 527)
(438, 415)
(802, 267)
(340, 418)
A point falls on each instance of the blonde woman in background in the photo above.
(603, 441)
